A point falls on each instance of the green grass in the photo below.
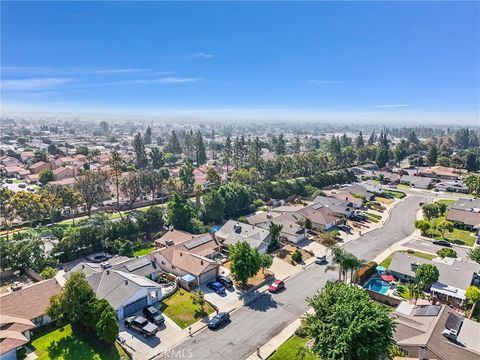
(373, 217)
(290, 350)
(396, 194)
(144, 251)
(457, 234)
(72, 344)
(180, 308)
(386, 263)
(445, 201)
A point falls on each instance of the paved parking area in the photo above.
(222, 301)
(142, 346)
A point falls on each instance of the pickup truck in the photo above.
(141, 325)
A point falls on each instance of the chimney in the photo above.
(126, 282)
(201, 262)
(83, 266)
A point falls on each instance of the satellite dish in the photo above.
(16, 272)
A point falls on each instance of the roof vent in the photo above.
(201, 262)
(83, 266)
(126, 282)
(108, 272)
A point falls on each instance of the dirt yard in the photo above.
(286, 252)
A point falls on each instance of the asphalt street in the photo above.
(400, 224)
(256, 323)
(429, 246)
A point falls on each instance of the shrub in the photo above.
(297, 256)
(258, 203)
(365, 272)
(447, 252)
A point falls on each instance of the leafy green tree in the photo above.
(45, 176)
(349, 308)
(213, 178)
(227, 154)
(214, 207)
(92, 187)
(423, 226)
(75, 303)
(157, 157)
(471, 161)
(104, 127)
(187, 177)
(132, 187)
(473, 183)
(153, 180)
(266, 261)
(447, 252)
(427, 274)
(117, 164)
(359, 142)
(170, 158)
(274, 230)
(473, 297)
(446, 226)
(180, 213)
(381, 157)
(198, 298)
(245, 262)
(106, 325)
(474, 254)
(238, 197)
(431, 211)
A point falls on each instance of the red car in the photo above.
(276, 286)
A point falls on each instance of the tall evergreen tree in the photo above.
(173, 145)
(255, 153)
(200, 153)
(141, 160)
(297, 145)
(147, 137)
(372, 139)
(280, 148)
(227, 153)
(359, 142)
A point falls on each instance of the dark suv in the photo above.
(218, 320)
(141, 325)
(225, 281)
(154, 315)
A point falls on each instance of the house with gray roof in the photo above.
(419, 330)
(456, 275)
(338, 206)
(292, 230)
(127, 293)
(360, 190)
(417, 182)
(233, 232)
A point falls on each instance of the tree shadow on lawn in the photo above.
(81, 345)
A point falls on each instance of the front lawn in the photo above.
(180, 308)
(292, 350)
(457, 234)
(396, 194)
(144, 251)
(373, 217)
(74, 343)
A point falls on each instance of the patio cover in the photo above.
(449, 290)
(188, 278)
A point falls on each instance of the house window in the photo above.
(173, 267)
(163, 262)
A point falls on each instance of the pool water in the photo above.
(377, 285)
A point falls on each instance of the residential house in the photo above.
(63, 173)
(39, 166)
(321, 216)
(421, 330)
(26, 155)
(452, 186)
(355, 202)
(233, 232)
(126, 292)
(13, 171)
(292, 230)
(441, 172)
(456, 275)
(172, 237)
(417, 181)
(64, 182)
(465, 212)
(194, 257)
(361, 191)
(339, 207)
(23, 311)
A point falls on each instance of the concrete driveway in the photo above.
(429, 247)
(141, 345)
(222, 301)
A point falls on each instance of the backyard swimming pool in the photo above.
(377, 285)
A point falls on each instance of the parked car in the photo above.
(9, 181)
(218, 320)
(22, 185)
(321, 260)
(141, 325)
(31, 188)
(216, 286)
(442, 243)
(225, 281)
(154, 315)
(276, 286)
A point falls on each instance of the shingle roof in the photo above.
(467, 217)
(31, 301)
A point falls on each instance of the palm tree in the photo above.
(116, 162)
(274, 230)
(197, 192)
(338, 262)
(415, 290)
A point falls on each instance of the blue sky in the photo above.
(359, 61)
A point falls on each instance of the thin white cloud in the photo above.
(388, 106)
(33, 84)
(201, 55)
(165, 80)
(320, 82)
(114, 71)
